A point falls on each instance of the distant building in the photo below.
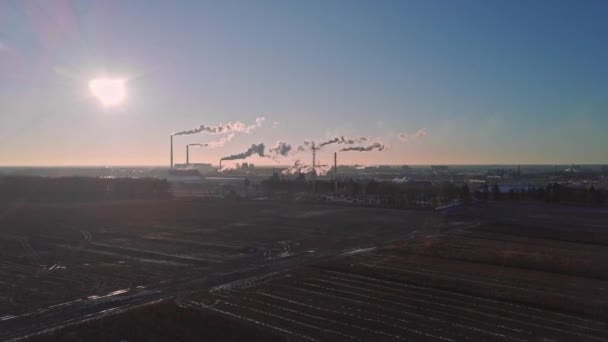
(500, 172)
(301, 177)
(518, 171)
(439, 168)
(203, 168)
(377, 168)
(184, 176)
(419, 184)
(246, 166)
(573, 168)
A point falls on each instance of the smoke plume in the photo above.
(343, 140)
(280, 149)
(293, 169)
(306, 145)
(304, 168)
(219, 143)
(406, 137)
(228, 167)
(253, 150)
(373, 147)
(230, 127)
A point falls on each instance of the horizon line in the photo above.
(288, 165)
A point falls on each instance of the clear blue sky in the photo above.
(490, 81)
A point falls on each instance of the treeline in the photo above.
(426, 194)
(81, 188)
(417, 194)
(413, 194)
(552, 193)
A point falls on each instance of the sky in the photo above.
(489, 82)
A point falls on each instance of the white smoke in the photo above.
(407, 137)
(305, 169)
(323, 170)
(292, 170)
(217, 143)
(228, 167)
(230, 127)
(258, 123)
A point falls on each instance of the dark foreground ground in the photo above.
(219, 271)
(67, 264)
(162, 322)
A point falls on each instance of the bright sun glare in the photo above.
(110, 92)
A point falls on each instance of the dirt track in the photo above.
(401, 293)
(490, 281)
(309, 272)
(62, 264)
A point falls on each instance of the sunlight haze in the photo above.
(488, 82)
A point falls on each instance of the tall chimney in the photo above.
(171, 151)
(187, 154)
(314, 166)
(220, 166)
(314, 158)
(336, 172)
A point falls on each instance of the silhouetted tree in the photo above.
(485, 192)
(495, 192)
(372, 187)
(465, 194)
(595, 196)
(81, 188)
(553, 193)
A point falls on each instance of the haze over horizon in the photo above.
(436, 82)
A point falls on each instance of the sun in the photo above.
(110, 92)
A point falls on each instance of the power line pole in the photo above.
(188, 155)
(314, 166)
(336, 173)
(171, 166)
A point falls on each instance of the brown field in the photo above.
(491, 281)
(64, 264)
(305, 272)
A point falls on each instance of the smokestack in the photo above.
(171, 166)
(336, 172)
(187, 154)
(220, 165)
(314, 165)
(314, 157)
